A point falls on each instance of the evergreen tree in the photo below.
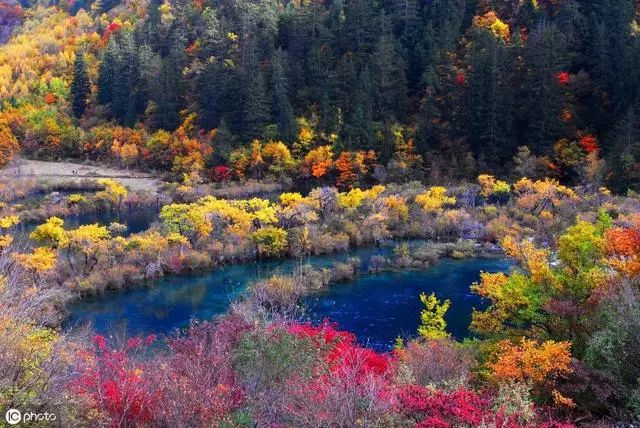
(166, 96)
(490, 101)
(545, 57)
(358, 126)
(624, 151)
(209, 92)
(80, 86)
(390, 78)
(107, 71)
(283, 111)
(125, 101)
(256, 105)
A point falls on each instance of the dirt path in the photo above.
(56, 172)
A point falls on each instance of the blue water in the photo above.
(136, 220)
(377, 308)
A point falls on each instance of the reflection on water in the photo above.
(136, 220)
(377, 308)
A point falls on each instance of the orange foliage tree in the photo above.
(8, 145)
(530, 361)
(623, 247)
(317, 162)
(539, 365)
(351, 166)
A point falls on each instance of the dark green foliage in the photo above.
(490, 100)
(356, 69)
(80, 86)
(283, 112)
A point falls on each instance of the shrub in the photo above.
(346, 271)
(439, 363)
(271, 241)
(266, 361)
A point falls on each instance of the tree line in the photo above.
(464, 78)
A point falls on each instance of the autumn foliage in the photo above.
(316, 375)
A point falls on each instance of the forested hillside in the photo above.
(454, 86)
(320, 213)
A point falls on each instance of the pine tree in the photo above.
(126, 103)
(256, 105)
(166, 96)
(209, 91)
(624, 151)
(106, 72)
(390, 78)
(545, 56)
(80, 86)
(281, 104)
(489, 110)
(358, 126)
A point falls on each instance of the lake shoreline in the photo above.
(205, 297)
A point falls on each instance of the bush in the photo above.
(271, 241)
(439, 363)
(266, 361)
(196, 260)
(346, 271)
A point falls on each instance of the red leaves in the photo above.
(460, 78)
(112, 28)
(436, 408)
(197, 382)
(50, 98)
(623, 248)
(589, 143)
(113, 384)
(563, 77)
(192, 49)
(340, 349)
(221, 173)
(623, 241)
(100, 342)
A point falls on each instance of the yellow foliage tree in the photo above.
(50, 232)
(114, 193)
(432, 323)
(494, 24)
(42, 260)
(435, 199)
(271, 241)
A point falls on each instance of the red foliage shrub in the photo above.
(50, 98)
(589, 143)
(114, 27)
(437, 408)
(196, 380)
(353, 385)
(221, 173)
(193, 385)
(341, 349)
(113, 384)
(563, 77)
(460, 79)
(199, 383)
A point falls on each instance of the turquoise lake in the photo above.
(376, 307)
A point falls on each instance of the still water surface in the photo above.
(377, 308)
